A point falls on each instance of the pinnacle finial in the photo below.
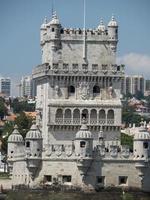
(45, 20)
(101, 21)
(15, 127)
(113, 17)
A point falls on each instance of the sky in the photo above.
(20, 22)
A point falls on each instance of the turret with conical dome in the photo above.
(113, 33)
(142, 144)
(33, 148)
(113, 28)
(33, 142)
(101, 26)
(15, 147)
(15, 144)
(84, 142)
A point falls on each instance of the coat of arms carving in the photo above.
(84, 90)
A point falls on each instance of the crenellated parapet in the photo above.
(77, 69)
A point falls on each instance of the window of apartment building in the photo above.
(66, 179)
(123, 180)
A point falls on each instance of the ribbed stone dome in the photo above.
(112, 22)
(55, 19)
(101, 27)
(83, 133)
(34, 133)
(43, 26)
(15, 137)
(142, 134)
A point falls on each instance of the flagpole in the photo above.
(84, 31)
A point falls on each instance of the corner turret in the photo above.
(33, 148)
(84, 142)
(113, 34)
(15, 147)
(43, 29)
(101, 26)
(142, 144)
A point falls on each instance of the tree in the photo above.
(139, 95)
(24, 123)
(20, 106)
(127, 140)
(4, 134)
(3, 109)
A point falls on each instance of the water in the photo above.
(46, 195)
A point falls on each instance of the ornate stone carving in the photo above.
(84, 90)
(68, 150)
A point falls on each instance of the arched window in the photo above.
(82, 144)
(96, 90)
(53, 29)
(93, 116)
(102, 116)
(62, 31)
(67, 118)
(28, 144)
(145, 145)
(110, 114)
(110, 117)
(76, 116)
(59, 116)
(85, 114)
(71, 89)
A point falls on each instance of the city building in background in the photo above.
(132, 84)
(27, 87)
(5, 86)
(147, 88)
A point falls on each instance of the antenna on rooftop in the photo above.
(84, 31)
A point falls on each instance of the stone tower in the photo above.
(70, 87)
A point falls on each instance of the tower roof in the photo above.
(34, 133)
(101, 26)
(15, 137)
(113, 22)
(55, 19)
(142, 133)
(43, 26)
(84, 132)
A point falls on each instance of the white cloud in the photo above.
(135, 63)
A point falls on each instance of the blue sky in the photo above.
(20, 22)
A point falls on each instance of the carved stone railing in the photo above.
(77, 121)
(59, 120)
(110, 121)
(102, 121)
(93, 121)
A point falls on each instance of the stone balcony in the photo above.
(69, 121)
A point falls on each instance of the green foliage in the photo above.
(5, 132)
(127, 140)
(139, 95)
(129, 116)
(24, 123)
(3, 109)
(20, 106)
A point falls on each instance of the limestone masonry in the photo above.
(76, 138)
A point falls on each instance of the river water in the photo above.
(46, 195)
